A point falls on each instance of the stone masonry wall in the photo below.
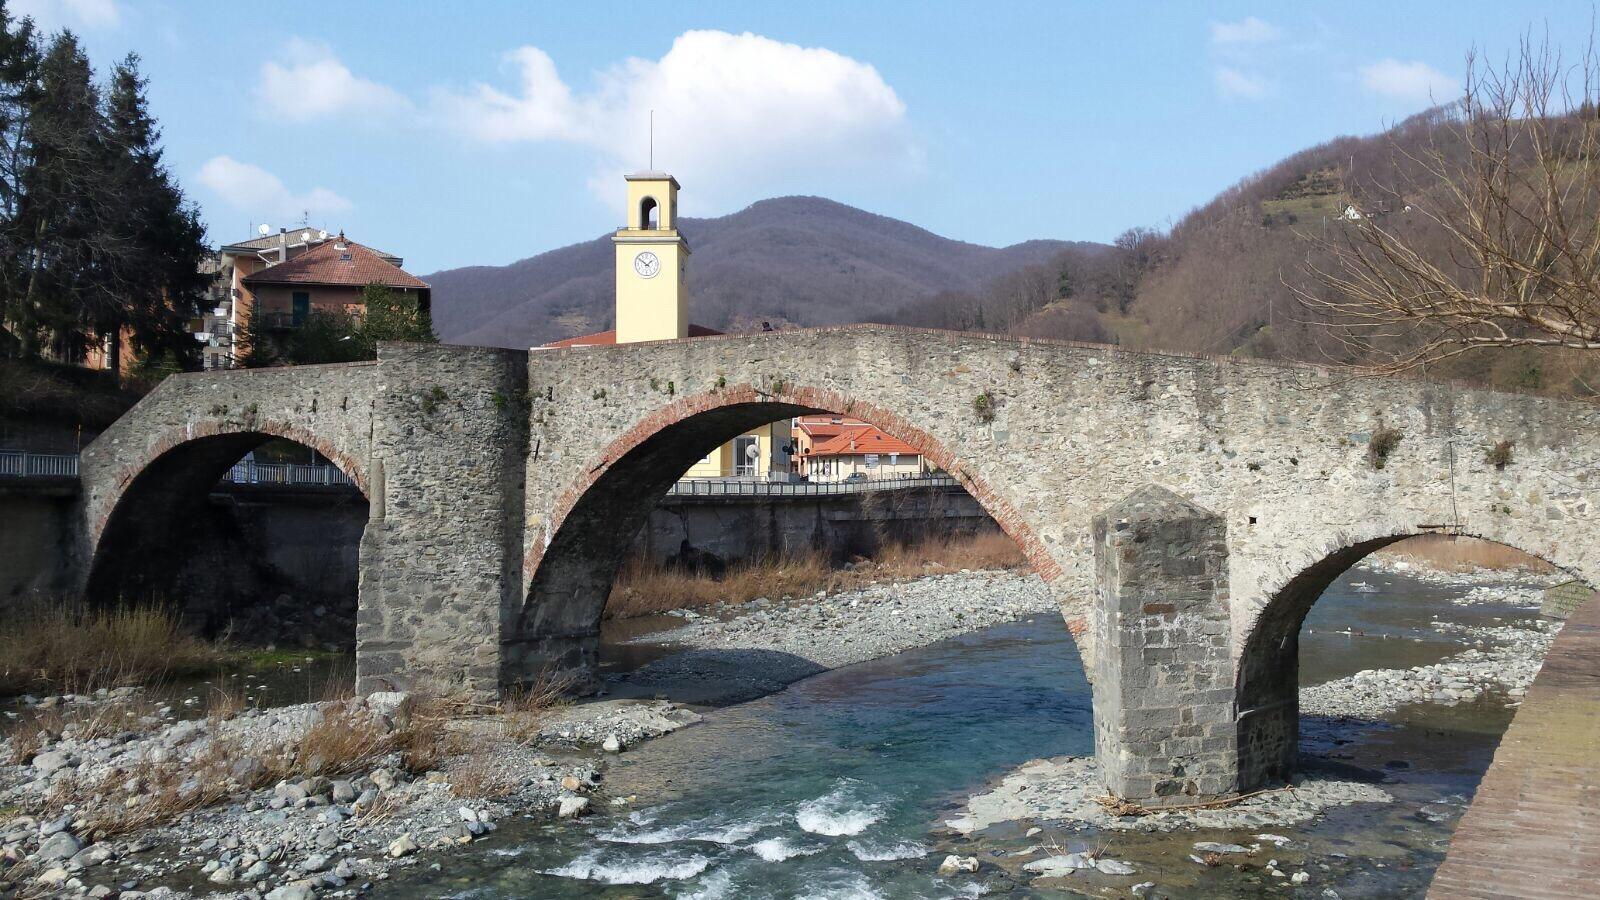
(440, 556)
(1279, 452)
(1163, 681)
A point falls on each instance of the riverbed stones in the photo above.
(572, 807)
(404, 845)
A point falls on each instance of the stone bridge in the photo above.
(1192, 509)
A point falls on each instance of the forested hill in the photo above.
(1220, 282)
(788, 261)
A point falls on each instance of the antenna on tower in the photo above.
(652, 140)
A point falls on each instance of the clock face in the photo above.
(646, 265)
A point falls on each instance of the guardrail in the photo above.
(249, 472)
(717, 487)
(26, 464)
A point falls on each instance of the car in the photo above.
(855, 477)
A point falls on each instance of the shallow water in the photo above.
(835, 787)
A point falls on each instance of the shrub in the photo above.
(1499, 455)
(64, 646)
(983, 406)
(1382, 444)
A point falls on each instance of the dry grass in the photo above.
(1450, 553)
(524, 708)
(83, 721)
(342, 740)
(644, 588)
(61, 646)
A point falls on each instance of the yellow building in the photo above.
(652, 298)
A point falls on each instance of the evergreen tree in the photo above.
(63, 204)
(156, 240)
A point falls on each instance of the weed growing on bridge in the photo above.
(1499, 455)
(431, 398)
(983, 406)
(1383, 442)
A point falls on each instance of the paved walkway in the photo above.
(1533, 830)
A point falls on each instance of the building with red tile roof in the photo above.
(859, 449)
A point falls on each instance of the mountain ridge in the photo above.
(800, 260)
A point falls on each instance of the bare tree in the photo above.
(1492, 240)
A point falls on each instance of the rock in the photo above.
(52, 761)
(612, 745)
(224, 875)
(572, 807)
(61, 845)
(314, 863)
(53, 876)
(290, 793)
(1058, 866)
(55, 826)
(294, 891)
(570, 783)
(92, 855)
(343, 792)
(246, 769)
(1113, 867)
(388, 703)
(404, 845)
(257, 871)
(327, 838)
(1300, 877)
(1214, 847)
(1143, 888)
(382, 779)
(955, 865)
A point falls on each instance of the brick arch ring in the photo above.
(1004, 514)
(175, 438)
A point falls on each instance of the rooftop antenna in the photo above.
(652, 140)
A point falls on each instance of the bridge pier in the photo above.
(1163, 679)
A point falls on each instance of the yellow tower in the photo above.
(652, 299)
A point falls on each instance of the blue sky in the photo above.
(484, 132)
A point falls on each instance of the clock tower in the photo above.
(652, 301)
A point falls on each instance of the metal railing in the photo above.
(718, 487)
(249, 472)
(26, 464)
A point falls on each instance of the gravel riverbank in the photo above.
(338, 834)
(738, 652)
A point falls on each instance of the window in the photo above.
(746, 456)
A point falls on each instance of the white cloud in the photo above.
(733, 113)
(254, 190)
(316, 85)
(1414, 81)
(1248, 30)
(52, 14)
(1234, 84)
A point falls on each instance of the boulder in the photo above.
(954, 865)
(61, 845)
(572, 807)
(52, 761)
(404, 845)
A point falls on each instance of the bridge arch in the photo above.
(132, 511)
(1268, 665)
(573, 558)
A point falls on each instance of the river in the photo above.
(836, 787)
